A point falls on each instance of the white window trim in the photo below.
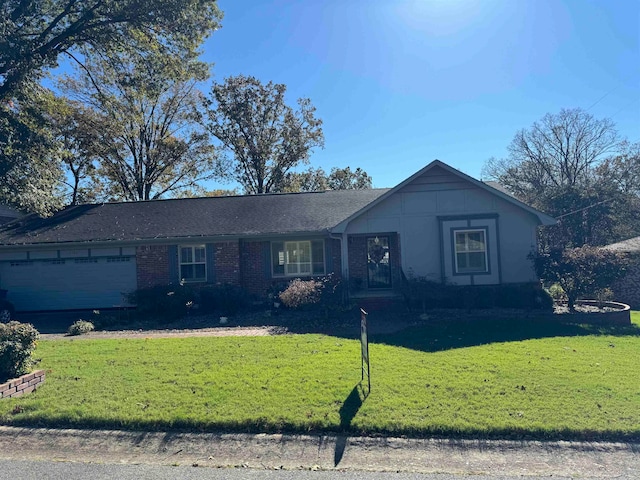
(193, 256)
(287, 262)
(456, 252)
(311, 263)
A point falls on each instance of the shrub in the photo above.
(80, 327)
(17, 342)
(556, 292)
(301, 292)
(425, 294)
(579, 271)
(165, 302)
(226, 298)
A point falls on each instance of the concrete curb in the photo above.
(325, 452)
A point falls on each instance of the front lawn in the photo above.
(462, 380)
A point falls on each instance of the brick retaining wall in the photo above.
(22, 385)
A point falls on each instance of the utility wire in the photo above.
(584, 208)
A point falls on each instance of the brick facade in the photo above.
(627, 289)
(227, 262)
(244, 262)
(358, 268)
(152, 265)
(22, 385)
(253, 267)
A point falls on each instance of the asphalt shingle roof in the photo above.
(191, 217)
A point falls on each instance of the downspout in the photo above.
(344, 261)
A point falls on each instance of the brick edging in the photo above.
(22, 385)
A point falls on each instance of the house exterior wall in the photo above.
(416, 211)
(227, 262)
(255, 274)
(358, 262)
(627, 289)
(152, 265)
(255, 265)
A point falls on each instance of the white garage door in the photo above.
(70, 283)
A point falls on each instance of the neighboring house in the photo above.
(439, 223)
(7, 214)
(627, 289)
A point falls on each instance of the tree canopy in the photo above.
(36, 33)
(576, 168)
(313, 180)
(140, 128)
(30, 169)
(266, 137)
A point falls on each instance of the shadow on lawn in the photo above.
(446, 335)
(347, 412)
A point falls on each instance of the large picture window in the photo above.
(193, 263)
(297, 258)
(471, 251)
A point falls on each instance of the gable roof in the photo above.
(630, 245)
(245, 215)
(543, 218)
(7, 214)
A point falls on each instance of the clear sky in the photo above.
(399, 83)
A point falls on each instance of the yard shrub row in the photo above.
(167, 302)
(423, 294)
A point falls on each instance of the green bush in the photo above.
(80, 327)
(17, 342)
(164, 302)
(226, 298)
(425, 294)
(556, 292)
(582, 271)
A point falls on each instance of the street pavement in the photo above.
(256, 456)
(29, 470)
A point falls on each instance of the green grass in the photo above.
(498, 379)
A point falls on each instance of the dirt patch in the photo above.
(173, 333)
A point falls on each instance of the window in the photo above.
(300, 258)
(193, 263)
(85, 260)
(118, 259)
(470, 251)
(378, 267)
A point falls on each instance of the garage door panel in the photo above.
(62, 284)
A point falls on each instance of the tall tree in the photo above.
(266, 137)
(77, 131)
(33, 36)
(145, 116)
(30, 172)
(36, 33)
(314, 180)
(560, 150)
(346, 179)
(556, 165)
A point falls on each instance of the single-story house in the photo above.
(8, 214)
(627, 289)
(439, 223)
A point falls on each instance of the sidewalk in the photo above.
(326, 452)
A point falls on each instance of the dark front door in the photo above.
(378, 262)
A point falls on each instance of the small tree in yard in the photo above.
(579, 271)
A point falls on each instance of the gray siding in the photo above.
(415, 212)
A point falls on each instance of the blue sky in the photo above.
(400, 83)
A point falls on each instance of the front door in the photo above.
(378, 262)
